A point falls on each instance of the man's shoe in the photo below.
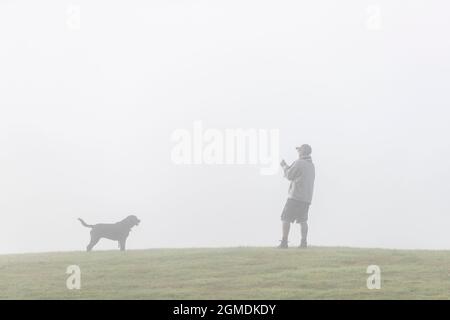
(303, 245)
(283, 245)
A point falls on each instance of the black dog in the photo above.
(114, 231)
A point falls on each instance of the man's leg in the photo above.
(285, 227)
(304, 230)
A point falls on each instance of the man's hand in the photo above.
(283, 163)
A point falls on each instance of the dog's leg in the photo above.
(122, 243)
(94, 241)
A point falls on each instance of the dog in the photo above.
(114, 231)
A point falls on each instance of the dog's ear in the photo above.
(131, 221)
(133, 218)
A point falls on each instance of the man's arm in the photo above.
(284, 166)
(290, 172)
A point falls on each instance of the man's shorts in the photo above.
(295, 211)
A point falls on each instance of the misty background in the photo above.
(87, 111)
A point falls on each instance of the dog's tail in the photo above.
(85, 224)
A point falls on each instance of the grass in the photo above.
(229, 273)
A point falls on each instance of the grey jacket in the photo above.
(301, 174)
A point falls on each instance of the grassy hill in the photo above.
(235, 273)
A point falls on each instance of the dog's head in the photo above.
(131, 221)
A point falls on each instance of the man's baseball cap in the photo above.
(306, 147)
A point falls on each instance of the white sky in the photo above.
(86, 118)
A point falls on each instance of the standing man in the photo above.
(301, 174)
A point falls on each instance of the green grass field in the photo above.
(234, 273)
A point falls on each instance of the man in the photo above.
(301, 174)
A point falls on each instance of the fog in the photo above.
(91, 94)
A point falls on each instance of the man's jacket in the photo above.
(301, 174)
